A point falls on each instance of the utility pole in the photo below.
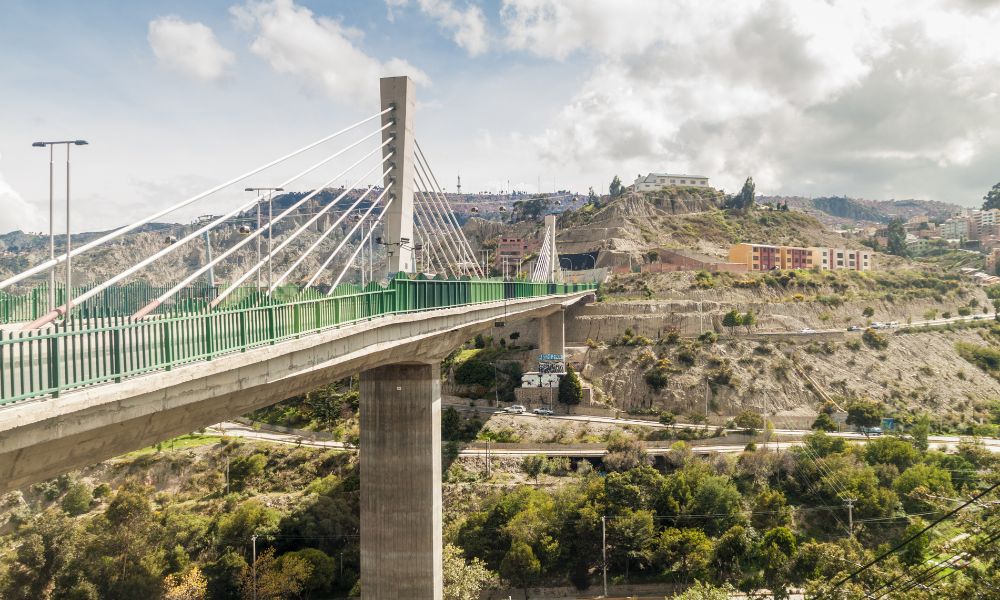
(850, 515)
(604, 552)
(488, 474)
(254, 565)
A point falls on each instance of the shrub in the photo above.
(709, 337)
(669, 418)
(750, 421)
(474, 372)
(824, 422)
(245, 469)
(984, 357)
(77, 499)
(873, 340)
(657, 376)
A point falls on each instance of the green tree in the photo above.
(533, 466)
(704, 591)
(616, 188)
(684, 552)
(451, 424)
(624, 453)
(914, 552)
(891, 451)
(868, 312)
(919, 483)
(570, 388)
(750, 421)
(864, 414)
(992, 198)
(322, 572)
(824, 422)
(745, 199)
(464, 580)
(632, 536)
(245, 470)
(732, 320)
(897, 238)
(520, 567)
(273, 579)
(77, 499)
(748, 320)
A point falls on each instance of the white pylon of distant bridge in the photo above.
(547, 267)
(419, 229)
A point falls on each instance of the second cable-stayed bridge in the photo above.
(117, 365)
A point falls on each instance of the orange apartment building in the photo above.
(763, 257)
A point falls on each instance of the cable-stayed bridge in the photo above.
(117, 365)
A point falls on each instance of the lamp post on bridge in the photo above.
(52, 234)
(270, 192)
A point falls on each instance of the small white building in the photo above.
(656, 181)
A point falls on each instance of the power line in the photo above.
(902, 544)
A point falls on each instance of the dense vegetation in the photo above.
(761, 520)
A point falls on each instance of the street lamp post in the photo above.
(270, 192)
(52, 234)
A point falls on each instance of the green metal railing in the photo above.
(117, 301)
(87, 351)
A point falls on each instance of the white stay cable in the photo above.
(216, 260)
(437, 253)
(51, 315)
(451, 214)
(348, 235)
(364, 240)
(326, 233)
(44, 266)
(434, 262)
(439, 230)
(263, 261)
(427, 236)
(454, 235)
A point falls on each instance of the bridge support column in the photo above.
(552, 334)
(401, 547)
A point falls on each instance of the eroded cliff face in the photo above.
(916, 372)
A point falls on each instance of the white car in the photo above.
(515, 409)
(807, 330)
(543, 412)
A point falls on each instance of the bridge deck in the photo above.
(79, 353)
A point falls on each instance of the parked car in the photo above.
(807, 330)
(515, 409)
(871, 431)
(877, 325)
(893, 324)
(855, 328)
(543, 412)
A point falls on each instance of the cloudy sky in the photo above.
(886, 99)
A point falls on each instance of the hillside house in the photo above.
(657, 181)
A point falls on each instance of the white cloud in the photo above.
(323, 52)
(188, 48)
(17, 213)
(467, 26)
(806, 95)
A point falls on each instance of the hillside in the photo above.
(841, 210)
(636, 223)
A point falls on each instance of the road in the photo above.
(724, 446)
(950, 441)
(910, 325)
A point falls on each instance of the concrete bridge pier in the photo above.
(552, 333)
(400, 454)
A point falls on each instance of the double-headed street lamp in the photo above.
(270, 191)
(52, 233)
